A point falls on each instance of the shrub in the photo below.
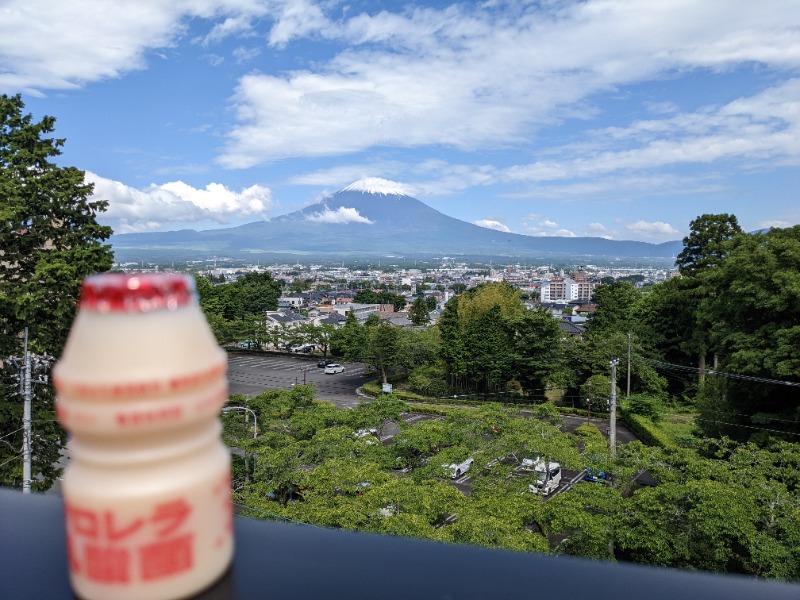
(647, 407)
(428, 381)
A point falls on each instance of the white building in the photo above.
(564, 289)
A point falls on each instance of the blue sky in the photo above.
(623, 119)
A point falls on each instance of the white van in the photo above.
(456, 470)
(548, 475)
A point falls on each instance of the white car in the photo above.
(456, 470)
(334, 368)
(369, 434)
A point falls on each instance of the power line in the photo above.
(747, 426)
(752, 378)
(12, 433)
(11, 459)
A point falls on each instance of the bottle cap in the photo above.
(136, 292)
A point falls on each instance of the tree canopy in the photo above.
(707, 243)
(724, 507)
(50, 241)
(236, 310)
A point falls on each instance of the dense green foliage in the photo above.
(236, 310)
(418, 312)
(489, 340)
(726, 507)
(49, 241)
(380, 297)
(738, 307)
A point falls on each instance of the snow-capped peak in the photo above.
(376, 185)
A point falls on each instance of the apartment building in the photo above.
(565, 289)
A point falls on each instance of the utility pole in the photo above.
(26, 420)
(26, 364)
(628, 394)
(612, 434)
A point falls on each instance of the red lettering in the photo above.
(166, 557)
(105, 564)
(170, 516)
(149, 416)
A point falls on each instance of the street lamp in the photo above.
(230, 409)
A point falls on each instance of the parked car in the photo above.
(595, 475)
(456, 470)
(334, 368)
(369, 434)
(302, 348)
(324, 363)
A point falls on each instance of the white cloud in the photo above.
(45, 44)
(296, 18)
(535, 224)
(410, 78)
(165, 205)
(763, 129)
(492, 224)
(597, 228)
(657, 229)
(539, 232)
(339, 216)
(775, 223)
(540, 226)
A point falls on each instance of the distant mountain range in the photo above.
(371, 218)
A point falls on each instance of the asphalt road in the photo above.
(251, 374)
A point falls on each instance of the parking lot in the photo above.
(250, 374)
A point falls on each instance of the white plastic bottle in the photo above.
(147, 491)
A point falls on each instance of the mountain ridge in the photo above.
(370, 218)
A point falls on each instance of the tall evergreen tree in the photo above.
(708, 243)
(49, 241)
(418, 313)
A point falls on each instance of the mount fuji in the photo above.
(371, 217)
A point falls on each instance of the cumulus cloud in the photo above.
(492, 224)
(296, 18)
(163, 206)
(777, 224)
(656, 229)
(540, 226)
(340, 216)
(598, 230)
